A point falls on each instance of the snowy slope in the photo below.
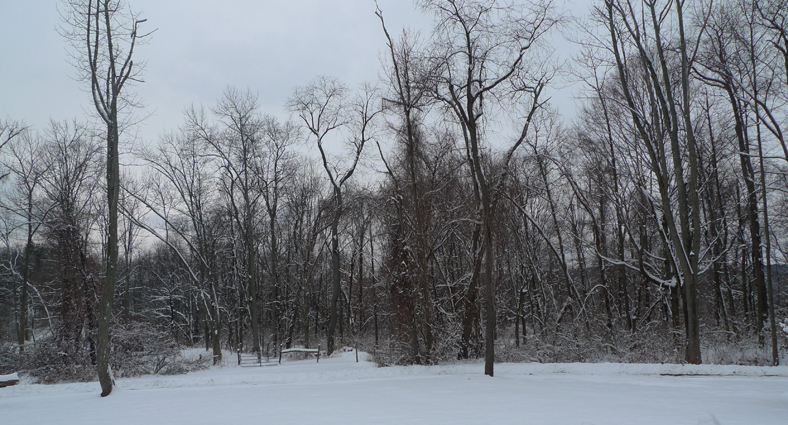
(340, 391)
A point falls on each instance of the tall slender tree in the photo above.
(104, 34)
(482, 55)
(323, 106)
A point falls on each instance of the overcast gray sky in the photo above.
(200, 47)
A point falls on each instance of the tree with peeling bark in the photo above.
(103, 35)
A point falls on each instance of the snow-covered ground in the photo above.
(340, 391)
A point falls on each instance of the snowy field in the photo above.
(340, 391)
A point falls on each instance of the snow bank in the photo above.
(9, 380)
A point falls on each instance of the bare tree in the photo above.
(305, 211)
(9, 130)
(237, 145)
(482, 61)
(324, 106)
(724, 66)
(103, 35)
(408, 99)
(191, 217)
(273, 171)
(637, 36)
(70, 186)
(27, 164)
(132, 211)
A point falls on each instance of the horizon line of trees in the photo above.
(650, 228)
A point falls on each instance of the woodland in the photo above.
(445, 212)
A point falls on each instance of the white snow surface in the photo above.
(9, 377)
(340, 391)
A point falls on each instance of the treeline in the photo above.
(448, 212)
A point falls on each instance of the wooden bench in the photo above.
(251, 359)
(315, 351)
(9, 380)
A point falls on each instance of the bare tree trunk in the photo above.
(470, 310)
(93, 33)
(374, 287)
(336, 286)
(108, 286)
(361, 318)
(769, 285)
(23, 296)
(127, 278)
